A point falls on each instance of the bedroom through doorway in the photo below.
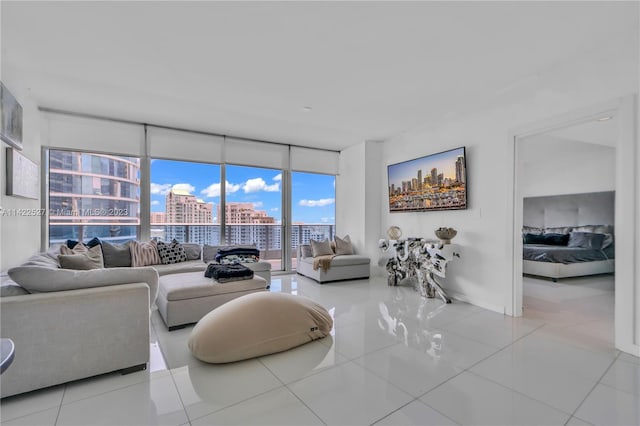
(567, 180)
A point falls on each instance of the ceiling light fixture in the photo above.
(606, 118)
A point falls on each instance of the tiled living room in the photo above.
(257, 213)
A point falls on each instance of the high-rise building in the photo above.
(93, 195)
(158, 217)
(460, 172)
(185, 208)
(419, 180)
(246, 225)
(434, 176)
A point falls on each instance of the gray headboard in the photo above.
(594, 208)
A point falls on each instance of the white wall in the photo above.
(483, 274)
(357, 198)
(554, 166)
(20, 234)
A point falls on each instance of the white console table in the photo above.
(421, 260)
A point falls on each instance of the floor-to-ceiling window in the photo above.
(313, 209)
(185, 197)
(253, 210)
(93, 195)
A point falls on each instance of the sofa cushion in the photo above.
(81, 257)
(8, 287)
(343, 245)
(193, 285)
(176, 268)
(193, 251)
(258, 324)
(144, 254)
(48, 259)
(36, 279)
(172, 252)
(116, 255)
(349, 259)
(321, 248)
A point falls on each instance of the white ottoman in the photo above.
(186, 297)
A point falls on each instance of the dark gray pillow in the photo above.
(116, 255)
(586, 240)
(192, 250)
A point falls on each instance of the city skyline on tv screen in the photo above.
(433, 182)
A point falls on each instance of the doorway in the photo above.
(624, 114)
(567, 181)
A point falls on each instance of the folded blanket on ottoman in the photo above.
(238, 252)
(227, 273)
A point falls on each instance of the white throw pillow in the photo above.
(321, 248)
(343, 245)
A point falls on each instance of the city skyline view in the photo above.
(444, 162)
(313, 195)
(433, 182)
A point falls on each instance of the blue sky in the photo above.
(444, 162)
(313, 195)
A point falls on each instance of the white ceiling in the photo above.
(368, 70)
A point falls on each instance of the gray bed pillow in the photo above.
(588, 240)
(192, 250)
(607, 230)
(116, 255)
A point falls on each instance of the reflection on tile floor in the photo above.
(393, 358)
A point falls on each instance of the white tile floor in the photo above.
(393, 358)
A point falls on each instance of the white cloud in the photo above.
(317, 203)
(155, 203)
(275, 209)
(278, 177)
(324, 219)
(184, 187)
(160, 189)
(257, 204)
(213, 190)
(258, 184)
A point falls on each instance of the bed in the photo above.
(568, 251)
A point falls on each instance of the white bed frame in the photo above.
(561, 270)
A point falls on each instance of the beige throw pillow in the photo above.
(343, 245)
(144, 254)
(321, 248)
(81, 257)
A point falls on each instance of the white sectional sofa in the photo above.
(343, 267)
(73, 324)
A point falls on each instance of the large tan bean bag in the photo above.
(258, 324)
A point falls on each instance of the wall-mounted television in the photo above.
(433, 182)
(11, 124)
